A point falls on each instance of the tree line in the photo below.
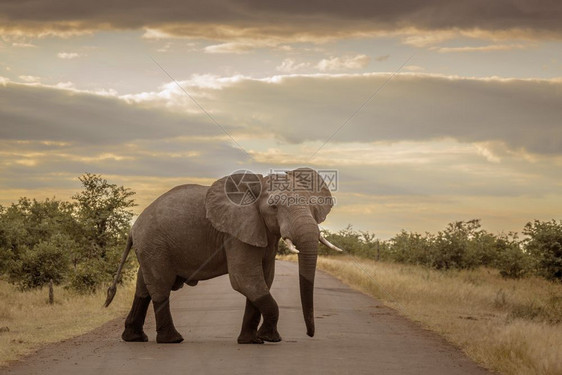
(464, 245)
(78, 243)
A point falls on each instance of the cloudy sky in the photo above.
(431, 111)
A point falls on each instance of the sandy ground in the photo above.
(355, 334)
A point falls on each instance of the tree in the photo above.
(454, 247)
(27, 244)
(76, 242)
(45, 261)
(545, 244)
(104, 215)
(413, 248)
(512, 260)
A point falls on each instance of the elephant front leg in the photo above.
(268, 329)
(270, 311)
(165, 330)
(247, 276)
(249, 331)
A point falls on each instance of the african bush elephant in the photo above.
(195, 232)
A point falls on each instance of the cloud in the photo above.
(68, 55)
(488, 48)
(493, 118)
(246, 45)
(233, 47)
(29, 78)
(23, 45)
(414, 68)
(341, 63)
(45, 169)
(296, 20)
(522, 113)
(425, 151)
(425, 38)
(290, 65)
(53, 114)
(382, 58)
(65, 85)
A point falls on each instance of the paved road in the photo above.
(355, 334)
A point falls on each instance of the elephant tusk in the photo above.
(329, 245)
(291, 246)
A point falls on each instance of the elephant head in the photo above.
(258, 210)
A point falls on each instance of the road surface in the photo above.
(355, 334)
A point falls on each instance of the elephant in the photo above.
(194, 232)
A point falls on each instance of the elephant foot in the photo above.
(131, 335)
(249, 339)
(269, 334)
(169, 337)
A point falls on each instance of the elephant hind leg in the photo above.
(159, 279)
(135, 320)
(165, 330)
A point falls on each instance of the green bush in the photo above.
(37, 266)
(456, 247)
(545, 244)
(87, 277)
(463, 245)
(511, 259)
(411, 248)
(6, 258)
(83, 240)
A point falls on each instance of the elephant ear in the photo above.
(231, 206)
(308, 181)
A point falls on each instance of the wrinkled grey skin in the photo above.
(195, 232)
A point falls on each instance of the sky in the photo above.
(431, 112)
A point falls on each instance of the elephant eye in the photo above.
(273, 206)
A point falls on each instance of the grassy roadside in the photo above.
(32, 322)
(510, 326)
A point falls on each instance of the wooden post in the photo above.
(51, 292)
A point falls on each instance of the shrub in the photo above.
(37, 266)
(545, 244)
(412, 248)
(346, 239)
(40, 240)
(512, 261)
(86, 277)
(455, 246)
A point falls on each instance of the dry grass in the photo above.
(32, 322)
(510, 326)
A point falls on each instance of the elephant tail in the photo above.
(113, 288)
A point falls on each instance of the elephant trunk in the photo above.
(306, 240)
